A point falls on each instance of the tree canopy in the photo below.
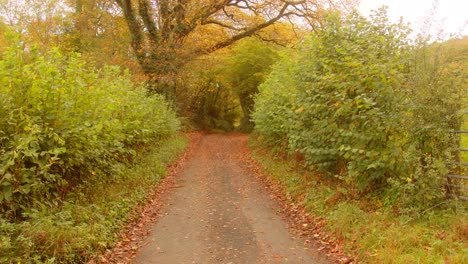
(160, 30)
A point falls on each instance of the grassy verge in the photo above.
(89, 219)
(370, 231)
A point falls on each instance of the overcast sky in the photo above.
(450, 15)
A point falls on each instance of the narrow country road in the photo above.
(219, 213)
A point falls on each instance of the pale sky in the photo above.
(450, 15)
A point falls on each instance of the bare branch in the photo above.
(144, 9)
(262, 38)
(252, 30)
(221, 24)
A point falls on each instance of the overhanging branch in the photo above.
(252, 30)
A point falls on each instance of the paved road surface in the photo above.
(219, 213)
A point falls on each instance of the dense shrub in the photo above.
(63, 122)
(344, 107)
(274, 106)
(347, 101)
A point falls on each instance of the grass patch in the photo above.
(89, 220)
(372, 232)
(463, 170)
(464, 139)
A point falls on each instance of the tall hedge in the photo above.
(345, 101)
(63, 122)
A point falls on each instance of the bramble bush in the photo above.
(347, 101)
(64, 122)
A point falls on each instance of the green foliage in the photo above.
(435, 93)
(91, 217)
(205, 97)
(344, 109)
(245, 70)
(369, 230)
(464, 139)
(359, 102)
(274, 106)
(64, 122)
(216, 91)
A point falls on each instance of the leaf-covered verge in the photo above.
(368, 230)
(363, 103)
(91, 217)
